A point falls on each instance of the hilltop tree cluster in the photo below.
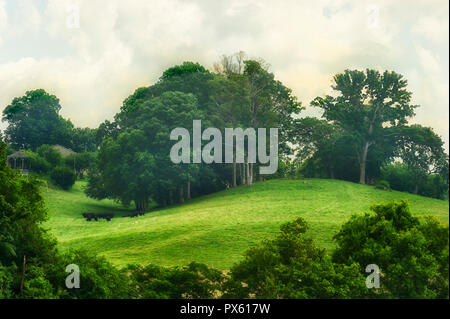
(363, 135)
(133, 161)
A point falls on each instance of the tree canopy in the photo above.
(369, 106)
(34, 120)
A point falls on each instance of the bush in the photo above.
(80, 161)
(193, 281)
(50, 154)
(412, 256)
(401, 178)
(38, 164)
(6, 282)
(63, 176)
(99, 279)
(383, 185)
(22, 211)
(291, 266)
(398, 176)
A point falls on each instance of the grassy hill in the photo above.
(216, 229)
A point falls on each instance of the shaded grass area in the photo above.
(216, 229)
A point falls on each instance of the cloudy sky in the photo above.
(92, 54)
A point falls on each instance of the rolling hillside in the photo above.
(216, 229)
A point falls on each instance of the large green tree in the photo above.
(369, 106)
(23, 241)
(136, 165)
(84, 139)
(256, 100)
(33, 120)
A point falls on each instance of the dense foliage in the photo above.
(401, 178)
(292, 266)
(193, 281)
(30, 265)
(34, 120)
(133, 163)
(63, 176)
(364, 136)
(364, 130)
(412, 255)
(365, 127)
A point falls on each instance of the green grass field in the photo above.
(216, 229)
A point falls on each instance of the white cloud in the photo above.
(3, 18)
(433, 28)
(29, 16)
(122, 45)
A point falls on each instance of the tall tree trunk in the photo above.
(234, 172)
(188, 190)
(142, 205)
(244, 179)
(171, 197)
(416, 188)
(181, 195)
(363, 163)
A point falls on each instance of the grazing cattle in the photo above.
(90, 216)
(108, 216)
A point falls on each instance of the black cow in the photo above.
(90, 216)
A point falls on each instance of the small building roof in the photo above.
(18, 154)
(63, 150)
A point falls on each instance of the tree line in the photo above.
(363, 134)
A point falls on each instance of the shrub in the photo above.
(38, 163)
(401, 178)
(291, 266)
(36, 285)
(193, 281)
(99, 279)
(22, 211)
(50, 154)
(6, 282)
(63, 176)
(80, 161)
(382, 185)
(412, 256)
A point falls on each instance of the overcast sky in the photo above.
(95, 60)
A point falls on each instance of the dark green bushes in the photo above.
(412, 255)
(401, 178)
(50, 154)
(384, 185)
(63, 176)
(192, 281)
(292, 266)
